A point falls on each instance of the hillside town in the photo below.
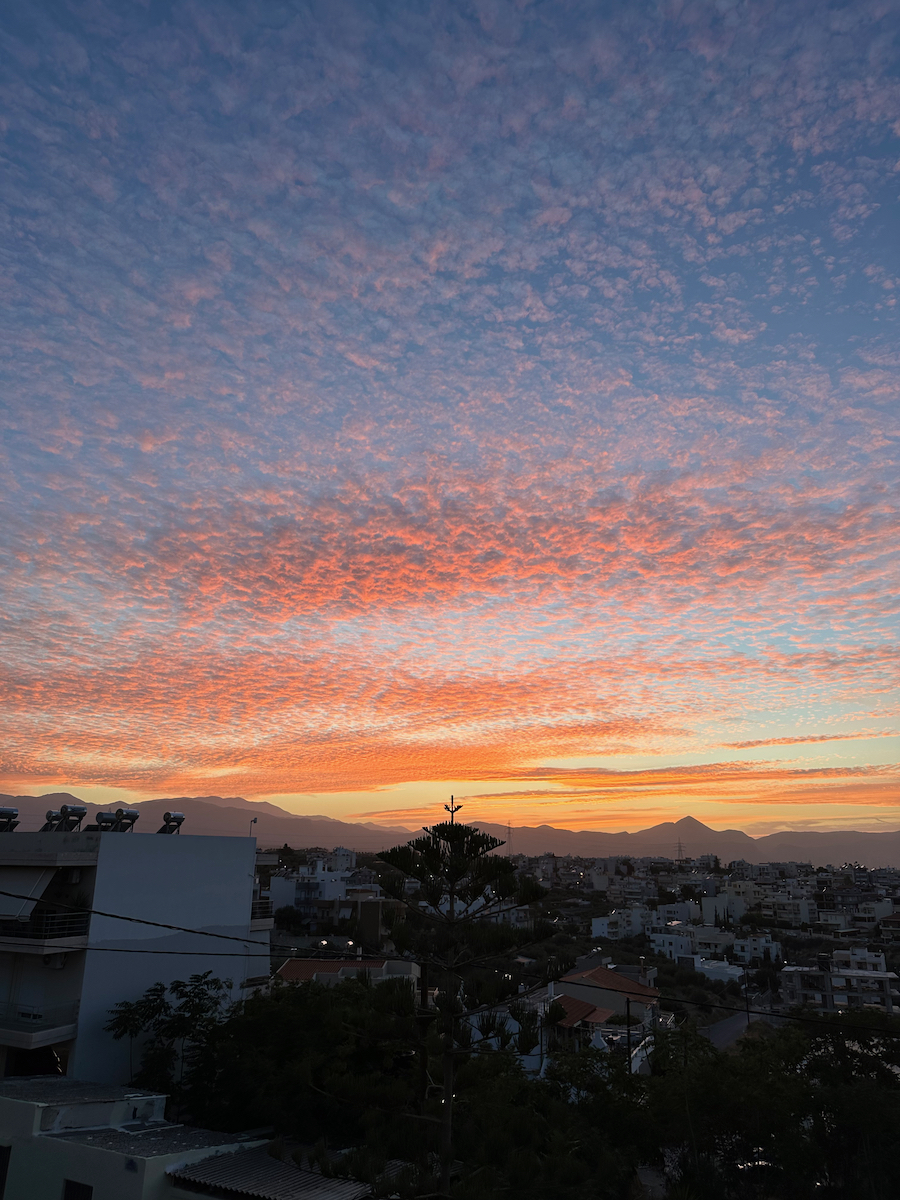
(124, 954)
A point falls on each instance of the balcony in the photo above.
(261, 915)
(44, 933)
(28, 1027)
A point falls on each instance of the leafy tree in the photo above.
(289, 919)
(174, 1023)
(345, 1065)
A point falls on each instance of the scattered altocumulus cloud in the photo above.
(438, 392)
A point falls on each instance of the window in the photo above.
(76, 1191)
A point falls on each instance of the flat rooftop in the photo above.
(78, 847)
(59, 1089)
(152, 1141)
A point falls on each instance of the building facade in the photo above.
(90, 918)
(849, 979)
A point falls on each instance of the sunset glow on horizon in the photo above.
(495, 398)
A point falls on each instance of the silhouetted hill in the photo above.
(873, 849)
(695, 837)
(230, 816)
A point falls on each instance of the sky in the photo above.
(491, 397)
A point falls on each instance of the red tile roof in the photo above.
(581, 1010)
(302, 970)
(612, 981)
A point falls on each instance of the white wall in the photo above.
(203, 883)
(38, 1167)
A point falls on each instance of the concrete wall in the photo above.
(39, 1166)
(203, 883)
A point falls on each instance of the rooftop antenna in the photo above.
(452, 809)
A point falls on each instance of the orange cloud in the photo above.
(392, 457)
(799, 739)
(587, 796)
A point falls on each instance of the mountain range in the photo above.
(274, 826)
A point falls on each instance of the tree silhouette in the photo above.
(461, 882)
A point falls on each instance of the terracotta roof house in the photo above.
(606, 989)
(581, 1023)
(581, 1012)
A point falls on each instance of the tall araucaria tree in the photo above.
(462, 882)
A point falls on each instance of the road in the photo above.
(723, 1033)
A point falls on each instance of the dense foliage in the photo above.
(808, 1110)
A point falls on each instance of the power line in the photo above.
(336, 955)
(96, 912)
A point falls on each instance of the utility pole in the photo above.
(628, 1028)
(747, 996)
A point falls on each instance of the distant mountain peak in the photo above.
(218, 816)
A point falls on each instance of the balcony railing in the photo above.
(43, 927)
(37, 1017)
(260, 909)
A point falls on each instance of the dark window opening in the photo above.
(43, 1061)
(5, 1152)
(76, 1191)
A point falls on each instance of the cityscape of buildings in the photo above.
(93, 917)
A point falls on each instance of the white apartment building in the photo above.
(672, 940)
(870, 913)
(837, 921)
(726, 906)
(680, 910)
(792, 910)
(677, 940)
(744, 889)
(712, 968)
(631, 889)
(849, 979)
(622, 923)
(711, 942)
(755, 948)
(322, 890)
(63, 966)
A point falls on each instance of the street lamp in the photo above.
(253, 821)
